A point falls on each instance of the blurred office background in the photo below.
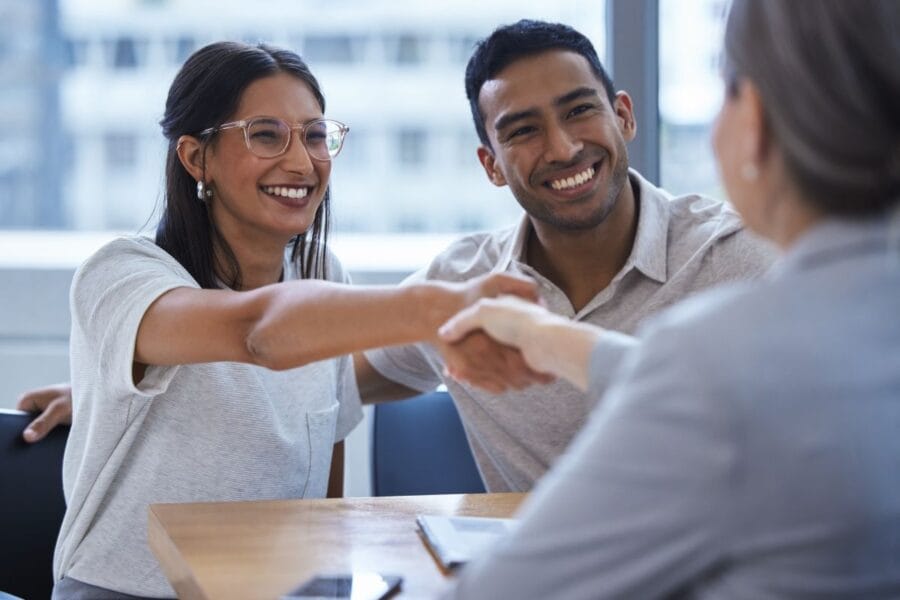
(84, 84)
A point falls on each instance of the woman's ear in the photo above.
(190, 153)
(755, 129)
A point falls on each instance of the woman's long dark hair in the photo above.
(206, 93)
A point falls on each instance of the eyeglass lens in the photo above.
(270, 137)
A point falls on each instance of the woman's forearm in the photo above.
(301, 322)
(291, 324)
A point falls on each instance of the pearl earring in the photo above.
(203, 193)
(749, 171)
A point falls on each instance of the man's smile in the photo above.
(565, 183)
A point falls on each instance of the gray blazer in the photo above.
(749, 447)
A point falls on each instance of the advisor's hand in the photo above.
(481, 361)
(548, 343)
(54, 403)
(507, 319)
(476, 358)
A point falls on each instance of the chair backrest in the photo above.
(31, 506)
(419, 447)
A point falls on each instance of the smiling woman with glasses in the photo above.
(211, 362)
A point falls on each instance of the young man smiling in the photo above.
(606, 246)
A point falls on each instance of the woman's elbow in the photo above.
(268, 346)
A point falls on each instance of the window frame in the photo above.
(632, 58)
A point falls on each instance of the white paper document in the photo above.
(457, 540)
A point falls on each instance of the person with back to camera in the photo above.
(206, 364)
(748, 447)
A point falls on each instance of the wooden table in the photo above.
(264, 549)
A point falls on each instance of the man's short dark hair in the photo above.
(509, 43)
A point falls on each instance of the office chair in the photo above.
(31, 506)
(419, 447)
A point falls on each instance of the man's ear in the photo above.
(486, 157)
(625, 112)
(190, 153)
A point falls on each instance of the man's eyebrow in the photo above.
(509, 118)
(582, 92)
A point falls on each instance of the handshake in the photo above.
(506, 339)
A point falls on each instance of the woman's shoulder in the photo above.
(129, 254)
(130, 245)
(709, 322)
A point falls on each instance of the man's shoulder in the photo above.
(703, 215)
(692, 219)
(471, 255)
(700, 223)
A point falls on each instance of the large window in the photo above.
(84, 84)
(690, 92)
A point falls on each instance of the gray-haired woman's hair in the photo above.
(828, 73)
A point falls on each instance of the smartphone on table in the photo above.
(355, 586)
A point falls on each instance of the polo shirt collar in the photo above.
(651, 241)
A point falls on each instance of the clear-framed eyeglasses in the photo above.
(270, 137)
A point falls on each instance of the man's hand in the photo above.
(548, 343)
(54, 403)
(476, 358)
(481, 361)
(448, 298)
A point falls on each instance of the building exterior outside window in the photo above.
(391, 69)
(33, 141)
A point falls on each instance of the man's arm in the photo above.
(336, 476)
(54, 405)
(375, 387)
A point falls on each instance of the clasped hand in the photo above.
(483, 352)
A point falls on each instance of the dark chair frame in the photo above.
(31, 505)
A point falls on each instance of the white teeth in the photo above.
(286, 192)
(570, 182)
